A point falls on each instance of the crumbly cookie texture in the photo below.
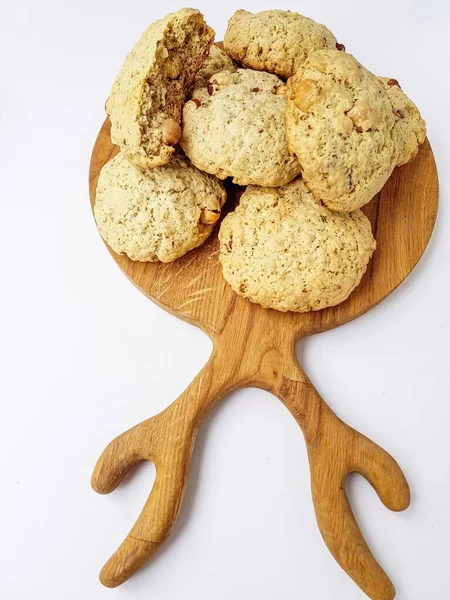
(147, 97)
(340, 125)
(234, 127)
(277, 41)
(159, 214)
(216, 61)
(410, 128)
(283, 249)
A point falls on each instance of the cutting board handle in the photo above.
(167, 440)
(260, 358)
(335, 450)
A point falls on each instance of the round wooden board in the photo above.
(256, 347)
(402, 216)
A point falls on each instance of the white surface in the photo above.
(85, 356)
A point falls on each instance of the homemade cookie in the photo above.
(234, 127)
(340, 125)
(277, 41)
(147, 97)
(159, 214)
(216, 61)
(283, 249)
(410, 128)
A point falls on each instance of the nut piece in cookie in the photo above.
(216, 61)
(171, 132)
(158, 214)
(151, 87)
(277, 41)
(234, 127)
(410, 128)
(340, 125)
(283, 249)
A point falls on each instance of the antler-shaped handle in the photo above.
(167, 440)
(335, 450)
(144, 442)
(264, 360)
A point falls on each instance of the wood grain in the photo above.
(256, 347)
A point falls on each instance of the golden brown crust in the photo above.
(276, 41)
(340, 125)
(159, 214)
(283, 249)
(236, 129)
(410, 129)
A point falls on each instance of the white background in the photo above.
(86, 356)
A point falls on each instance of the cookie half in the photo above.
(282, 249)
(147, 97)
(159, 214)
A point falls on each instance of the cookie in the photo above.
(410, 128)
(340, 125)
(283, 249)
(147, 97)
(216, 61)
(159, 214)
(234, 127)
(277, 41)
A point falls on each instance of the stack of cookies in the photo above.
(283, 110)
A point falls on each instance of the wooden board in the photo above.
(256, 347)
